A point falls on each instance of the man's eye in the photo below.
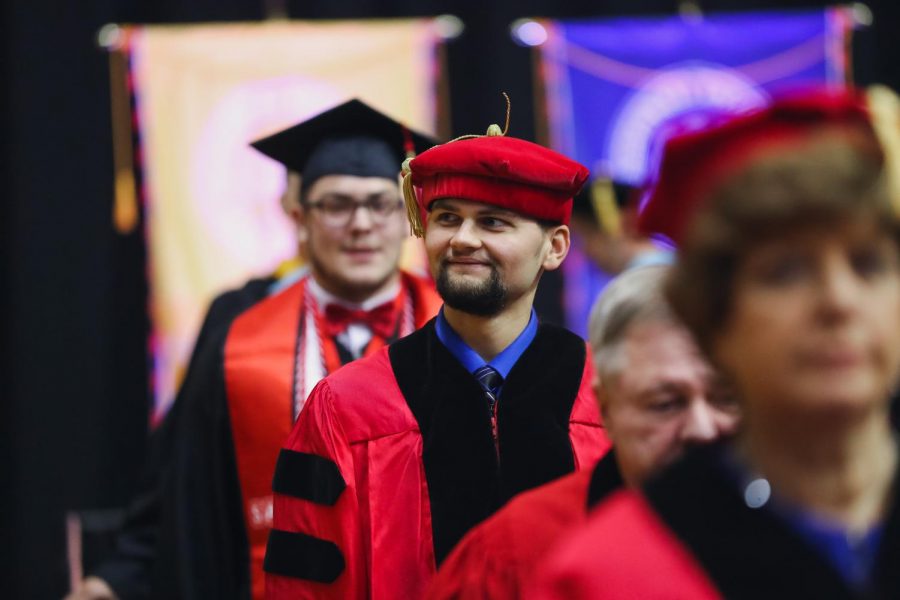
(445, 218)
(384, 205)
(724, 400)
(493, 222)
(784, 270)
(868, 262)
(336, 205)
(666, 404)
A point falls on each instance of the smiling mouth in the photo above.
(466, 260)
(361, 255)
(835, 360)
(467, 266)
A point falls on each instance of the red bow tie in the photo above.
(380, 319)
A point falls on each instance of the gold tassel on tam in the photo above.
(416, 227)
(412, 204)
(884, 106)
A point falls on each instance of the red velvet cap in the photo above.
(499, 170)
(696, 163)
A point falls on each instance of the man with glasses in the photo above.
(250, 381)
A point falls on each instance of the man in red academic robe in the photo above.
(211, 517)
(397, 456)
(657, 396)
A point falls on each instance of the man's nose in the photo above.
(361, 218)
(839, 289)
(700, 424)
(465, 236)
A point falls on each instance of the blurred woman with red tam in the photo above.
(788, 275)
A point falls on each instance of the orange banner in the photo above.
(202, 93)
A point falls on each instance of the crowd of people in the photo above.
(350, 430)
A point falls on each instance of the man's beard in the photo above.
(485, 298)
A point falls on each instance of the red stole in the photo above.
(259, 367)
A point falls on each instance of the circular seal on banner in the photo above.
(680, 97)
(235, 190)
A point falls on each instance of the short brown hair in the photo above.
(836, 175)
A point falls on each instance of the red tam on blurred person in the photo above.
(788, 276)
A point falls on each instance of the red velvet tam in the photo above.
(498, 170)
(695, 164)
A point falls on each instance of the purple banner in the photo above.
(616, 88)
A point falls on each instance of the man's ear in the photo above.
(299, 218)
(293, 207)
(559, 243)
(290, 199)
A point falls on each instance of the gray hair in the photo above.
(635, 296)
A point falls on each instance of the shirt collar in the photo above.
(471, 360)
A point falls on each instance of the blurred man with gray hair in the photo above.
(657, 396)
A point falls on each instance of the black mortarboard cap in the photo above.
(350, 139)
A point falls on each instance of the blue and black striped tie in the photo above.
(491, 381)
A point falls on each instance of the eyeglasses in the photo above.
(338, 211)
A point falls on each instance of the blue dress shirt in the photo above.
(471, 360)
(852, 556)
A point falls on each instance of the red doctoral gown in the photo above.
(393, 460)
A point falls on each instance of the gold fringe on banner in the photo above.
(126, 213)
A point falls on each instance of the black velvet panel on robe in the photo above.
(466, 483)
(753, 553)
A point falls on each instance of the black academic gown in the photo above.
(201, 550)
(132, 569)
(201, 545)
(690, 535)
(755, 553)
